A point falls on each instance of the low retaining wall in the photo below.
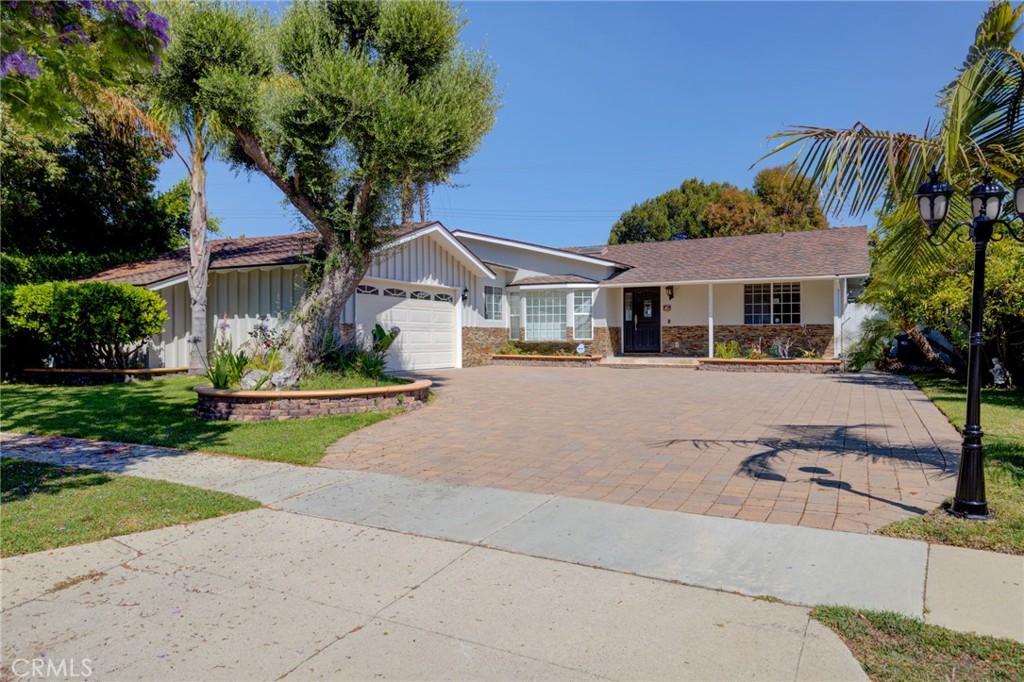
(547, 360)
(255, 406)
(91, 377)
(790, 366)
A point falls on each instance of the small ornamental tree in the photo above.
(361, 98)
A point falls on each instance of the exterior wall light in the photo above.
(465, 295)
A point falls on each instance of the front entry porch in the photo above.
(800, 319)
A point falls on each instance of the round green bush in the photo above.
(86, 325)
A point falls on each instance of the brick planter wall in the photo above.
(479, 344)
(784, 366)
(547, 360)
(693, 340)
(92, 377)
(254, 406)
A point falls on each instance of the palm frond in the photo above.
(857, 167)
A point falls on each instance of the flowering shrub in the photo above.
(86, 325)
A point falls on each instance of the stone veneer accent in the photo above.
(255, 406)
(693, 340)
(479, 344)
(784, 366)
(547, 360)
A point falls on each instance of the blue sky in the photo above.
(606, 104)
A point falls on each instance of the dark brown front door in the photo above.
(641, 323)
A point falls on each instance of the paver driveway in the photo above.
(848, 452)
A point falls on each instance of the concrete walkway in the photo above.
(804, 566)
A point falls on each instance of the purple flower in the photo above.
(158, 27)
(19, 62)
(85, 4)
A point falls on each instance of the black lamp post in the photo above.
(986, 207)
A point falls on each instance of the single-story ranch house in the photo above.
(459, 296)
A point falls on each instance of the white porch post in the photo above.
(711, 320)
(837, 318)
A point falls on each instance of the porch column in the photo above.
(837, 318)
(711, 320)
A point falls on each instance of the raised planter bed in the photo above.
(255, 406)
(548, 360)
(770, 365)
(91, 377)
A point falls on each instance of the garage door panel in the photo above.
(427, 337)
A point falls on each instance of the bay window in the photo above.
(583, 315)
(545, 315)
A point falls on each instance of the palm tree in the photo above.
(177, 102)
(860, 169)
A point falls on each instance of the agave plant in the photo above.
(859, 169)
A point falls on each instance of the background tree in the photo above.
(203, 34)
(675, 214)
(780, 200)
(93, 194)
(59, 60)
(362, 96)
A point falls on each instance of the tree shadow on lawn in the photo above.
(21, 479)
(160, 411)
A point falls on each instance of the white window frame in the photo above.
(555, 305)
(493, 297)
(776, 292)
(515, 315)
(577, 314)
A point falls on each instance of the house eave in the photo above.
(743, 280)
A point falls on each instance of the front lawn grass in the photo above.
(160, 412)
(891, 647)
(1002, 420)
(47, 506)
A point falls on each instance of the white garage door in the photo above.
(426, 318)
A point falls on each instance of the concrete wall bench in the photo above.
(90, 377)
(796, 366)
(546, 360)
(254, 406)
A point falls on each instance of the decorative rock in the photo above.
(285, 378)
(251, 379)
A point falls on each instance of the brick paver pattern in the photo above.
(846, 452)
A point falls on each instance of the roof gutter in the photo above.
(745, 280)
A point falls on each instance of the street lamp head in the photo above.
(987, 198)
(1018, 196)
(933, 200)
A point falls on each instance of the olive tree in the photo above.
(360, 97)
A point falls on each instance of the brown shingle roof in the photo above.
(836, 251)
(284, 249)
(554, 279)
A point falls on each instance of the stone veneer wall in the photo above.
(693, 340)
(479, 344)
(247, 409)
(546, 361)
(601, 344)
(776, 366)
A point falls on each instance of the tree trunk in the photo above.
(199, 256)
(407, 201)
(915, 334)
(315, 325)
(423, 202)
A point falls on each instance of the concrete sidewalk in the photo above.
(798, 565)
(267, 594)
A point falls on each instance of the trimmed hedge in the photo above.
(91, 325)
(18, 269)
